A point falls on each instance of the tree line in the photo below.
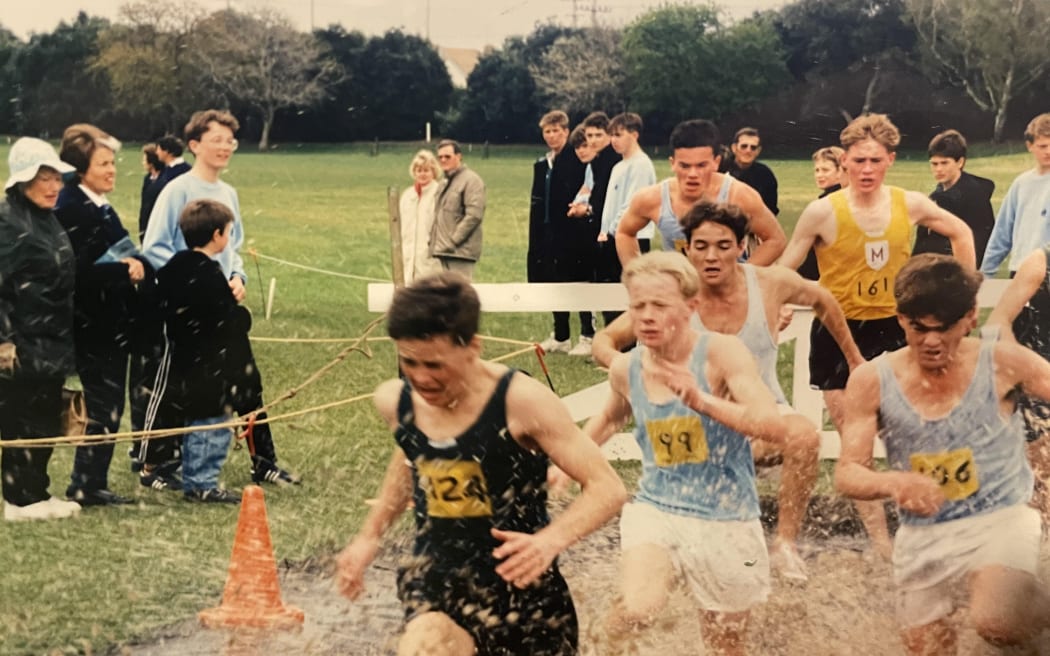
(799, 72)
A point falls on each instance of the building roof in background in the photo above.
(459, 62)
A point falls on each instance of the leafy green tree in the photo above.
(335, 117)
(683, 62)
(258, 59)
(146, 56)
(57, 84)
(583, 72)
(502, 103)
(992, 50)
(10, 109)
(399, 83)
(862, 37)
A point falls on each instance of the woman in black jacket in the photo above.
(108, 267)
(36, 326)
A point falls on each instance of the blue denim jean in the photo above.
(203, 454)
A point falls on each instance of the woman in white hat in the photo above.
(36, 326)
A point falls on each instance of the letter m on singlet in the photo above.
(877, 253)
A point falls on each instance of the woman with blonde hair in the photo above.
(830, 177)
(417, 217)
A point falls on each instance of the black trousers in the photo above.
(608, 268)
(573, 266)
(152, 377)
(103, 372)
(29, 408)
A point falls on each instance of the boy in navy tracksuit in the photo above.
(212, 368)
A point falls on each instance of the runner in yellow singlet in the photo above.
(862, 236)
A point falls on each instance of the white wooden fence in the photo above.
(595, 297)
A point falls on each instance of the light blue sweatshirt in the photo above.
(627, 177)
(164, 238)
(1023, 222)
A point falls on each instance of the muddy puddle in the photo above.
(846, 607)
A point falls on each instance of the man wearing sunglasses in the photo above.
(745, 167)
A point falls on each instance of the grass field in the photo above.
(114, 575)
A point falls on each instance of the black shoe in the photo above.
(136, 462)
(160, 479)
(216, 495)
(97, 498)
(267, 472)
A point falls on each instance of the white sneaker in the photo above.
(551, 345)
(583, 347)
(39, 510)
(64, 508)
(784, 559)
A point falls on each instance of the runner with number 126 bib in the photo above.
(862, 237)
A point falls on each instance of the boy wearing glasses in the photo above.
(209, 135)
(945, 405)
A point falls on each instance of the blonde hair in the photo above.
(831, 154)
(424, 158)
(1037, 127)
(871, 126)
(555, 117)
(672, 263)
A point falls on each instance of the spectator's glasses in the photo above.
(219, 142)
(748, 147)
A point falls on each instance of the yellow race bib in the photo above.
(677, 440)
(455, 489)
(954, 471)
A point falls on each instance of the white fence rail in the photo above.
(570, 297)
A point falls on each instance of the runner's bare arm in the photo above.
(535, 414)
(807, 233)
(1030, 275)
(617, 410)
(925, 212)
(751, 407)
(394, 495)
(609, 340)
(854, 476)
(764, 226)
(644, 207)
(1017, 365)
(800, 291)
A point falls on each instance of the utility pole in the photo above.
(595, 10)
(575, 12)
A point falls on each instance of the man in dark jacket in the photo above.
(560, 247)
(745, 167)
(966, 196)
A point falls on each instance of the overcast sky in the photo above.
(452, 23)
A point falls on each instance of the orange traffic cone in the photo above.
(252, 596)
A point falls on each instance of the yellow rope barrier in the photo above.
(341, 340)
(77, 440)
(241, 422)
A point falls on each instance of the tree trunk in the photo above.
(869, 92)
(1003, 104)
(264, 140)
(1000, 123)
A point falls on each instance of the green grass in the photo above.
(114, 575)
